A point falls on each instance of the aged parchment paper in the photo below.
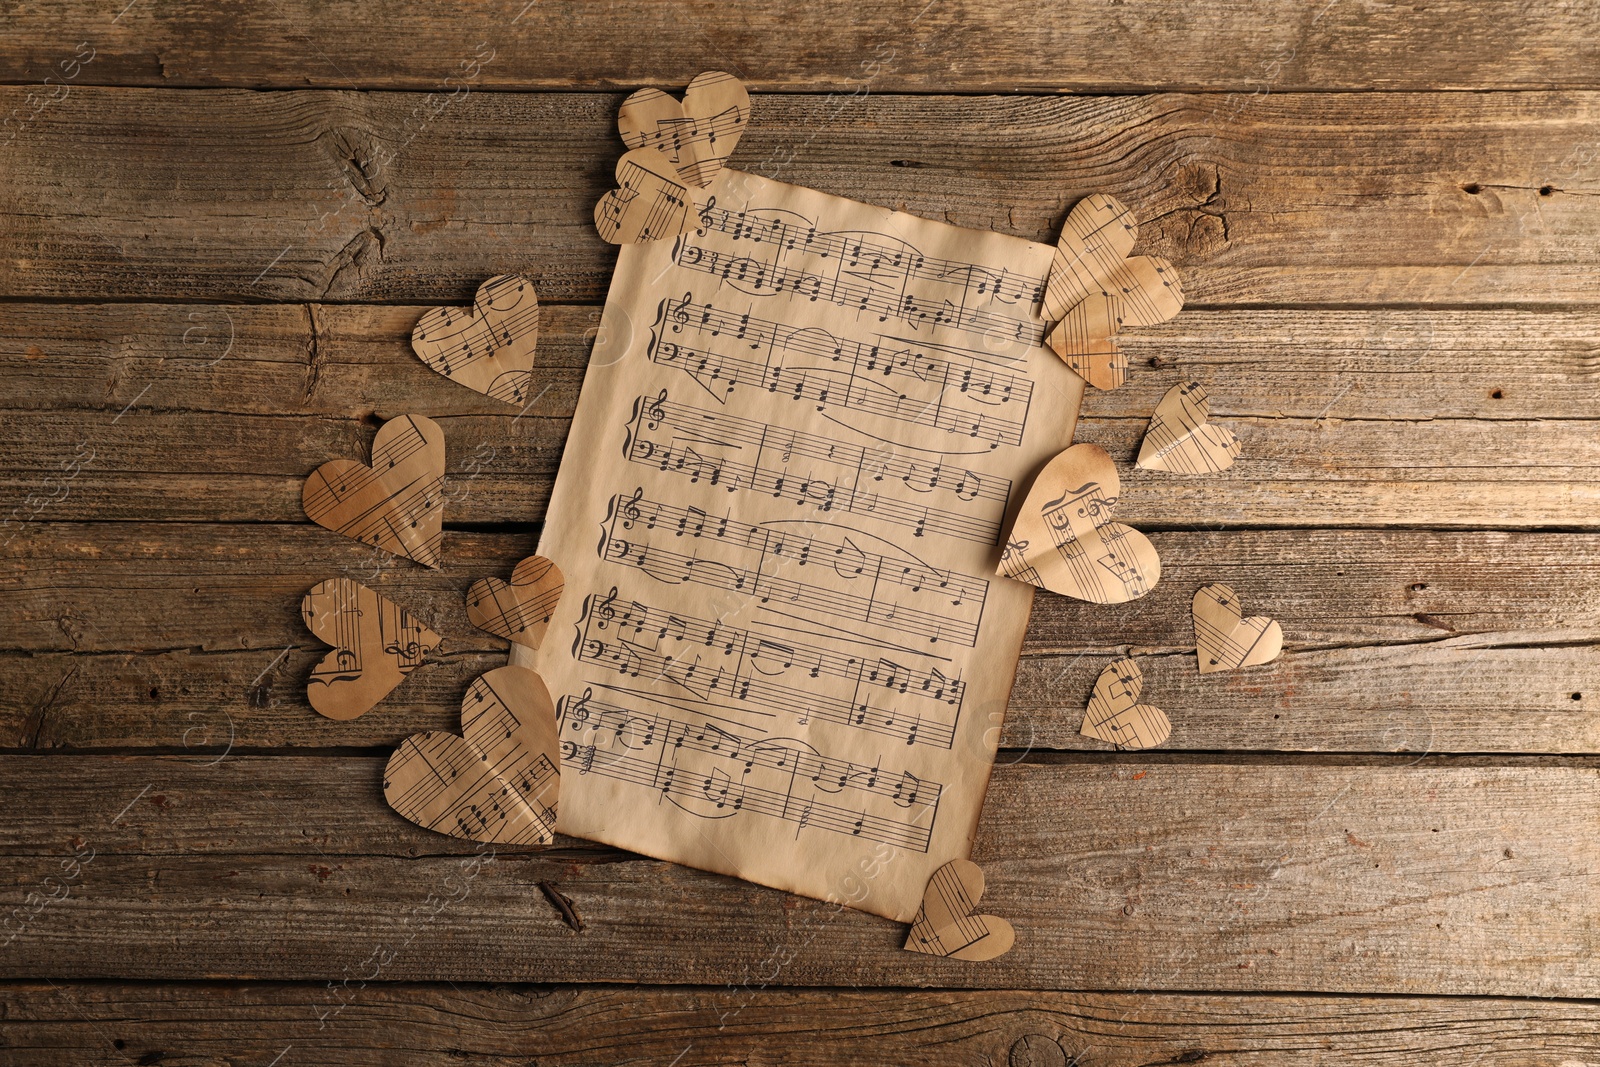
(783, 653)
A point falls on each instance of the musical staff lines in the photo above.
(868, 273)
(490, 347)
(397, 503)
(901, 593)
(715, 661)
(452, 788)
(649, 203)
(740, 454)
(698, 134)
(959, 391)
(714, 774)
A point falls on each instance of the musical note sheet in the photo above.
(784, 652)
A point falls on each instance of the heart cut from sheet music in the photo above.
(697, 135)
(1181, 441)
(1115, 714)
(1224, 639)
(649, 203)
(488, 347)
(376, 643)
(499, 780)
(397, 503)
(1094, 290)
(1064, 539)
(946, 924)
(518, 610)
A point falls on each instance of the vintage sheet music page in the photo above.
(783, 653)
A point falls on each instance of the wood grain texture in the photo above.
(1392, 301)
(1348, 417)
(152, 464)
(72, 1022)
(950, 46)
(1122, 874)
(1396, 364)
(1318, 198)
(1429, 698)
(1398, 641)
(1295, 472)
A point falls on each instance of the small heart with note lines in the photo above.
(1064, 540)
(499, 780)
(376, 643)
(397, 504)
(946, 924)
(1095, 289)
(1182, 440)
(649, 203)
(488, 347)
(1224, 639)
(1115, 714)
(518, 610)
(697, 135)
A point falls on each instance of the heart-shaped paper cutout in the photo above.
(1064, 539)
(376, 643)
(1181, 441)
(1224, 639)
(946, 925)
(397, 503)
(488, 347)
(1094, 290)
(697, 135)
(649, 203)
(518, 610)
(1115, 714)
(497, 782)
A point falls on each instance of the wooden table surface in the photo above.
(218, 224)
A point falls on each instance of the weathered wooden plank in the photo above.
(1438, 697)
(1450, 414)
(1119, 874)
(1245, 45)
(195, 466)
(351, 359)
(1295, 198)
(1397, 640)
(138, 587)
(65, 1022)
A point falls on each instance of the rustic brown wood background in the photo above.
(215, 236)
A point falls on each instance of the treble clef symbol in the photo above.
(657, 412)
(710, 205)
(630, 510)
(679, 313)
(575, 713)
(604, 611)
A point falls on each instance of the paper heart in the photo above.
(397, 503)
(519, 610)
(945, 924)
(650, 202)
(697, 135)
(497, 782)
(1064, 539)
(1094, 290)
(1181, 441)
(1115, 714)
(1224, 639)
(376, 643)
(488, 347)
